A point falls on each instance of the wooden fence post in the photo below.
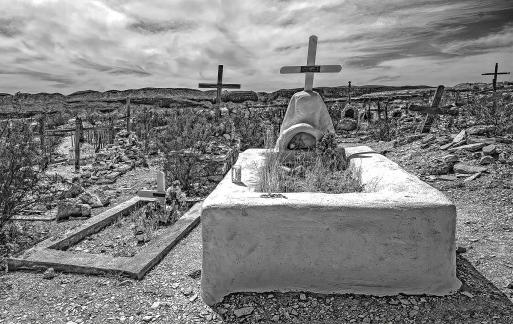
(42, 122)
(128, 114)
(111, 130)
(349, 92)
(78, 135)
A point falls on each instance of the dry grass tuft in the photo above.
(319, 170)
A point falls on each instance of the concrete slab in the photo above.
(398, 236)
(50, 253)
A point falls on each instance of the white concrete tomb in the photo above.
(397, 236)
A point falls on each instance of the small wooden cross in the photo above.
(495, 73)
(310, 68)
(219, 85)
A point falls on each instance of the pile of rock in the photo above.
(115, 160)
(77, 202)
(469, 153)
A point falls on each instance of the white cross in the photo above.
(310, 68)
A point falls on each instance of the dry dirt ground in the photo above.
(170, 291)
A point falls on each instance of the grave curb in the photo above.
(50, 253)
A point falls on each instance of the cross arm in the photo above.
(207, 85)
(231, 86)
(223, 85)
(311, 68)
(491, 73)
(447, 110)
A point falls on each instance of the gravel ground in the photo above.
(170, 291)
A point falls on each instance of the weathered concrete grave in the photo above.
(397, 236)
(53, 251)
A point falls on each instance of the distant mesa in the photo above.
(239, 96)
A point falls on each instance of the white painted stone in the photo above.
(306, 113)
(398, 236)
(161, 181)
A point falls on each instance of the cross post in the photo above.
(349, 92)
(219, 85)
(310, 68)
(495, 73)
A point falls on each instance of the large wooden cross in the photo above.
(310, 68)
(431, 111)
(495, 73)
(219, 85)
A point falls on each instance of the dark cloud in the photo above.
(156, 27)
(431, 41)
(386, 78)
(138, 71)
(116, 70)
(10, 27)
(44, 76)
(88, 64)
(287, 48)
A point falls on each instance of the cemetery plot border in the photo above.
(49, 253)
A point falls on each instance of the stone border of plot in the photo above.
(51, 252)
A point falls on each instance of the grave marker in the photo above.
(128, 114)
(495, 73)
(310, 68)
(78, 136)
(219, 85)
(349, 92)
(430, 111)
(160, 193)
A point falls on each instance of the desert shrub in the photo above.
(251, 127)
(385, 130)
(185, 138)
(19, 170)
(495, 109)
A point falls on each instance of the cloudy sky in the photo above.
(65, 46)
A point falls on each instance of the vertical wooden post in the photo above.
(386, 109)
(78, 135)
(219, 82)
(111, 130)
(369, 112)
(495, 77)
(379, 111)
(146, 129)
(128, 114)
(349, 92)
(42, 122)
(386, 119)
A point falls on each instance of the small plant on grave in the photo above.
(151, 217)
(326, 150)
(316, 170)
